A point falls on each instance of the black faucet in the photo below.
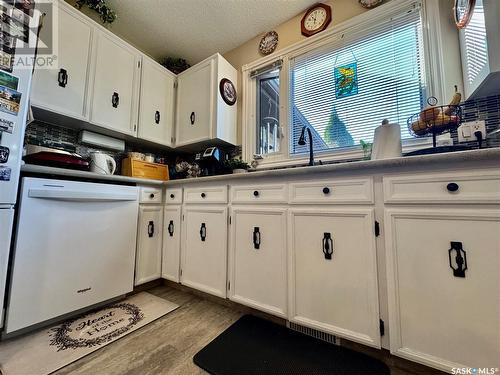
(302, 142)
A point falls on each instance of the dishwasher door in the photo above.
(75, 247)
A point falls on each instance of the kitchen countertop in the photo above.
(489, 156)
(62, 172)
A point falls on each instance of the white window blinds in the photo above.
(342, 92)
(476, 48)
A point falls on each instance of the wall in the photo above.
(288, 33)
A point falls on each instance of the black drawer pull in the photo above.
(171, 228)
(203, 232)
(151, 195)
(452, 187)
(157, 117)
(255, 193)
(151, 229)
(256, 238)
(458, 263)
(326, 190)
(192, 118)
(172, 196)
(203, 195)
(327, 246)
(115, 100)
(62, 77)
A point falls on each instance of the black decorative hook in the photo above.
(459, 266)
(171, 228)
(328, 246)
(256, 238)
(203, 232)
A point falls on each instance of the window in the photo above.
(343, 91)
(268, 130)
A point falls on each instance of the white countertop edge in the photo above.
(40, 169)
(489, 155)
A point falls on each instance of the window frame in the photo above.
(433, 63)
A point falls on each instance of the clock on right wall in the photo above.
(370, 3)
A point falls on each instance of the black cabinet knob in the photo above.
(203, 195)
(326, 190)
(452, 187)
(151, 195)
(255, 193)
(172, 196)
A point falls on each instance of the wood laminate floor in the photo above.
(168, 345)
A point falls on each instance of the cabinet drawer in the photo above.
(212, 194)
(359, 191)
(259, 194)
(477, 187)
(173, 196)
(150, 195)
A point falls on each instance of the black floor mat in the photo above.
(254, 346)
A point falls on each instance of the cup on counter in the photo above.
(149, 158)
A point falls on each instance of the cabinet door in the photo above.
(333, 273)
(156, 112)
(115, 88)
(149, 244)
(195, 104)
(204, 249)
(63, 90)
(171, 243)
(436, 317)
(257, 259)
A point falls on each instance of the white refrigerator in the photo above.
(15, 84)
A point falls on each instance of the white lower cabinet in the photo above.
(257, 259)
(170, 268)
(440, 317)
(149, 244)
(204, 249)
(333, 272)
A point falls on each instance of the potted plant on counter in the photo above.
(237, 165)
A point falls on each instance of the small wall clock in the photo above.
(227, 91)
(316, 19)
(370, 3)
(463, 11)
(268, 43)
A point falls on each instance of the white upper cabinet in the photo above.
(202, 114)
(156, 111)
(480, 52)
(115, 85)
(64, 90)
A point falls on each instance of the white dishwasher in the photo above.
(75, 247)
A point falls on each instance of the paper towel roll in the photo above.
(387, 141)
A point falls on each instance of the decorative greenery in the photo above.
(367, 149)
(235, 164)
(107, 14)
(175, 65)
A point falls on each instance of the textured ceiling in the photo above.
(196, 29)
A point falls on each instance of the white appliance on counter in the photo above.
(12, 126)
(75, 247)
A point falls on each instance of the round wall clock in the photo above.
(227, 91)
(316, 19)
(268, 43)
(463, 11)
(370, 3)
